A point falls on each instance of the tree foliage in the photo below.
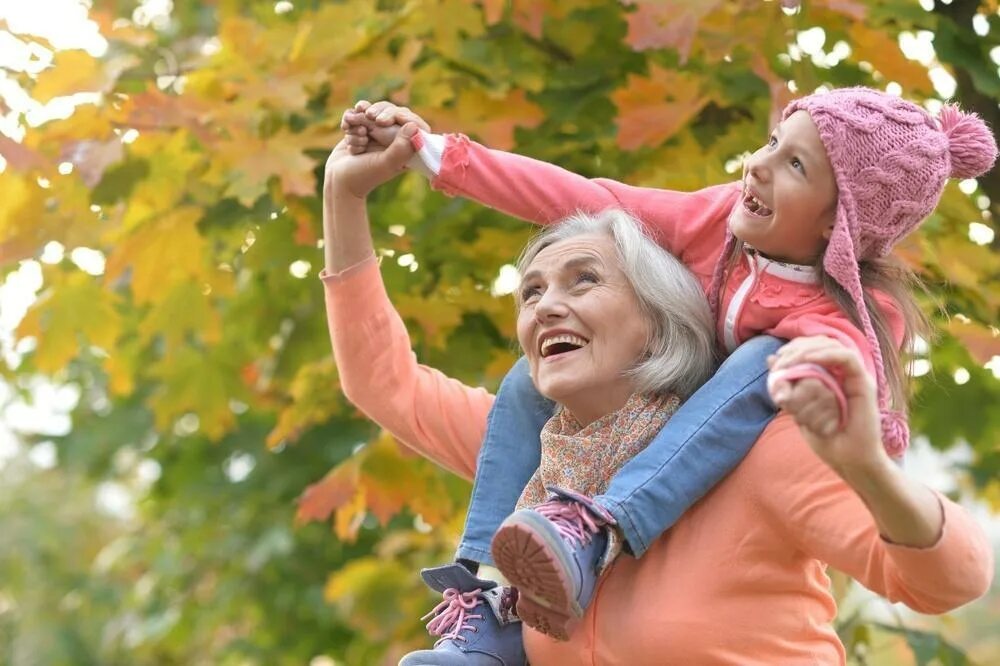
(202, 344)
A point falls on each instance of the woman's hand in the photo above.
(853, 448)
(357, 174)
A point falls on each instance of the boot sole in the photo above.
(524, 552)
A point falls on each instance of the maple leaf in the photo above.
(652, 109)
(314, 399)
(657, 24)
(333, 491)
(492, 117)
(74, 309)
(20, 157)
(883, 52)
(92, 158)
(193, 381)
(160, 253)
(71, 71)
(982, 342)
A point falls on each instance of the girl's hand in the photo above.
(358, 174)
(856, 447)
(370, 126)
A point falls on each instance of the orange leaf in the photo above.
(333, 491)
(882, 51)
(982, 342)
(651, 110)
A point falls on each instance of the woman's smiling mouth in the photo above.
(554, 345)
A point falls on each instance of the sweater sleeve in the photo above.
(691, 225)
(820, 515)
(437, 416)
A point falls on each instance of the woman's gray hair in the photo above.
(680, 353)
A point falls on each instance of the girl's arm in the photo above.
(438, 416)
(690, 225)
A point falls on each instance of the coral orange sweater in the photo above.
(740, 579)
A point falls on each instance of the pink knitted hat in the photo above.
(891, 160)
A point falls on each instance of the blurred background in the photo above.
(181, 481)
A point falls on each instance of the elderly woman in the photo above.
(740, 579)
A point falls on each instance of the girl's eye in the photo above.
(797, 164)
(772, 141)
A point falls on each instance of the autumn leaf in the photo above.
(191, 381)
(314, 399)
(652, 109)
(21, 157)
(982, 342)
(71, 71)
(159, 254)
(75, 311)
(657, 24)
(333, 491)
(883, 52)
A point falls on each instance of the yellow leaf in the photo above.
(71, 71)
(122, 365)
(160, 253)
(315, 394)
(70, 313)
(172, 160)
(435, 315)
(652, 109)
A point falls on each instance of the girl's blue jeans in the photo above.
(702, 442)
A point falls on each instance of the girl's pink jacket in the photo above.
(740, 579)
(760, 295)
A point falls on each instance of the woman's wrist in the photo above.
(907, 513)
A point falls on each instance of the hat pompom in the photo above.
(972, 146)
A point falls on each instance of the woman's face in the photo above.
(580, 326)
(789, 195)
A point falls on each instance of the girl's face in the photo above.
(789, 194)
(581, 326)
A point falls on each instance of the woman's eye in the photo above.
(587, 277)
(529, 294)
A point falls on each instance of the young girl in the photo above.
(798, 248)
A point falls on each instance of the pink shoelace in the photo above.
(451, 616)
(573, 522)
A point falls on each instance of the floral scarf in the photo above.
(584, 459)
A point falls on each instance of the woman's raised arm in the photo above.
(437, 416)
